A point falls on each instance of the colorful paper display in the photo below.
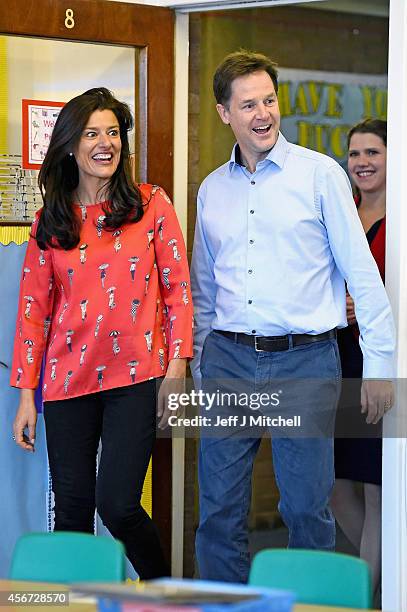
(39, 117)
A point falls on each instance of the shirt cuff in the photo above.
(379, 368)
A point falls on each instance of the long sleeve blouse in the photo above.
(108, 313)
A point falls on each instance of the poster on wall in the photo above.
(39, 117)
(318, 108)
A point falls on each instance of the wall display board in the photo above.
(38, 120)
(318, 108)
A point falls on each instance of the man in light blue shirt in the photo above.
(277, 235)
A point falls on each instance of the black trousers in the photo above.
(124, 419)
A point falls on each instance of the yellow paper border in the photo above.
(147, 496)
(14, 233)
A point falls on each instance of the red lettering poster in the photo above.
(39, 117)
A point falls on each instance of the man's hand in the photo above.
(174, 382)
(26, 418)
(377, 397)
(350, 310)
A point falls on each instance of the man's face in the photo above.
(254, 116)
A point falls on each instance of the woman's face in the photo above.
(367, 162)
(99, 148)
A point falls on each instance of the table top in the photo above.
(89, 605)
(312, 608)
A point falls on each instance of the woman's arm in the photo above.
(32, 328)
(172, 264)
(175, 283)
(173, 383)
(34, 315)
(26, 418)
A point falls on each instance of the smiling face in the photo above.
(367, 162)
(98, 151)
(254, 116)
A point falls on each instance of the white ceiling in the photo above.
(199, 5)
(379, 8)
(194, 5)
(367, 7)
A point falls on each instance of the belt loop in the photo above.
(235, 339)
(290, 341)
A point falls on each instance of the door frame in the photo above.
(394, 493)
(150, 31)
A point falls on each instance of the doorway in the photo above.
(283, 33)
(128, 48)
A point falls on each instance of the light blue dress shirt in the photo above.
(273, 250)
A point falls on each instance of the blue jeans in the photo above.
(303, 460)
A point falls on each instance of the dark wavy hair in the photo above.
(58, 179)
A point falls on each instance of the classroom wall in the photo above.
(295, 38)
(53, 70)
(58, 70)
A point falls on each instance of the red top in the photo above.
(378, 247)
(109, 312)
(378, 244)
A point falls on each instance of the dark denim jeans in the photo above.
(124, 419)
(308, 380)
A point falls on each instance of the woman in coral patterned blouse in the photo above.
(105, 297)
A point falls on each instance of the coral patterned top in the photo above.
(111, 311)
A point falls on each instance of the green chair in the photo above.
(316, 577)
(65, 556)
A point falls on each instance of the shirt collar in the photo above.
(276, 155)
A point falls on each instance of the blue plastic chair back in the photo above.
(68, 557)
(316, 577)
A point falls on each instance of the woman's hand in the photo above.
(173, 383)
(26, 418)
(350, 310)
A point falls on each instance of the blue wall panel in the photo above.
(23, 475)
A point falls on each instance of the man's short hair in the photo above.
(237, 64)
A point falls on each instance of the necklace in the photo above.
(81, 204)
(83, 207)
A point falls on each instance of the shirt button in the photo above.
(253, 331)
(250, 301)
(251, 241)
(252, 182)
(252, 212)
(250, 271)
